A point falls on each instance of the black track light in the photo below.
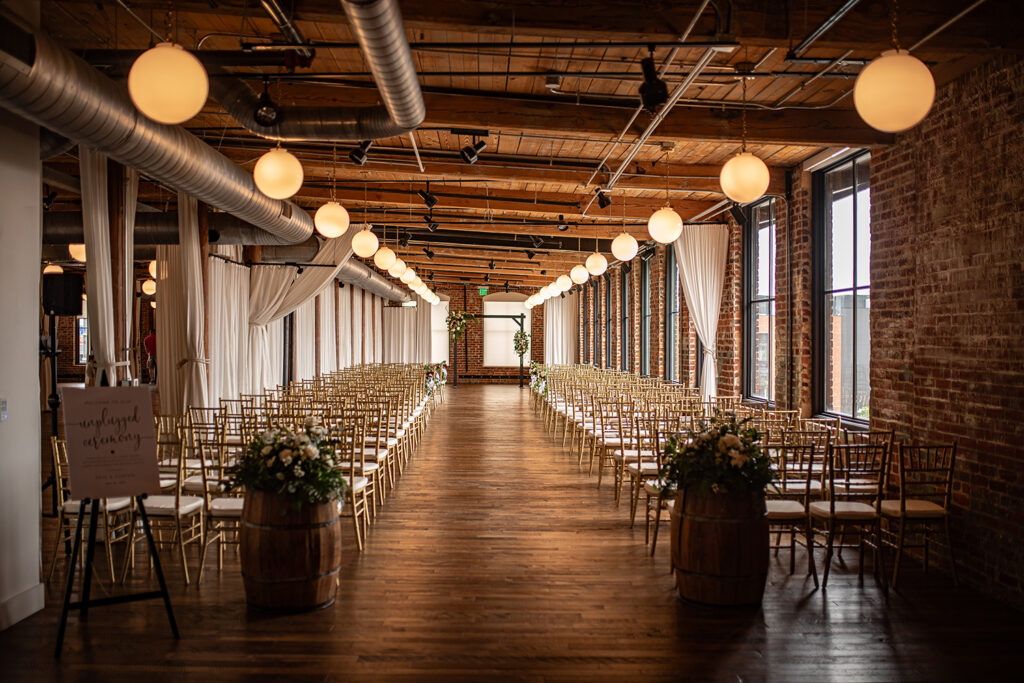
(506, 286)
(266, 112)
(538, 241)
(429, 220)
(562, 225)
(299, 271)
(49, 199)
(471, 153)
(487, 277)
(603, 200)
(358, 155)
(562, 295)
(491, 264)
(428, 252)
(428, 199)
(543, 272)
(341, 285)
(403, 241)
(653, 91)
(530, 254)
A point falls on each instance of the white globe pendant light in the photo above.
(416, 281)
(152, 304)
(52, 269)
(365, 243)
(564, 283)
(77, 252)
(397, 268)
(168, 84)
(149, 287)
(596, 263)
(435, 301)
(894, 92)
(665, 225)
(579, 274)
(152, 269)
(384, 258)
(744, 178)
(408, 276)
(624, 247)
(331, 220)
(278, 174)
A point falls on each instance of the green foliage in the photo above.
(457, 322)
(521, 341)
(539, 378)
(298, 464)
(723, 455)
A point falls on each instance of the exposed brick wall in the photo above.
(469, 300)
(947, 307)
(730, 318)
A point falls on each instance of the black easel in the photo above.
(85, 603)
(53, 403)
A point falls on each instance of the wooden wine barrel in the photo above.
(720, 548)
(290, 557)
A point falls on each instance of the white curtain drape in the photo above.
(99, 285)
(701, 252)
(561, 328)
(312, 279)
(229, 324)
(170, 328)
(193, 363)
(305, 340)
(406, 334)
(328, 330)
(267, 288)
(357, 326)
(344, 324)
(378, 329)
(131, 199)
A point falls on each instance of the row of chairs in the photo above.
(834, 484)
(375, 415)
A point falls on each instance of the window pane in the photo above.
(863, 222)
(763, 346)
(862, 383)
(499, 349)
(439, 343)
(839, 213)
(838, 356)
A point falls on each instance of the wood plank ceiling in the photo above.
(552, 84)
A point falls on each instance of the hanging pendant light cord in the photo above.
(893, 17)
(743, 113)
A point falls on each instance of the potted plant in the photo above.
(719, 531)
(289, 537)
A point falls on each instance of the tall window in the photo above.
(586, 326)
(597, 321)
(645, 316)
(842, 278)
(759, 307)
(439, 345)
(671, 314)
(499, 348)
(625, 325)
(81, 340)
(609, 323)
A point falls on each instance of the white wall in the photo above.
(21, 592)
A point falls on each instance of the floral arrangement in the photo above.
(722, 456)
(298, 464)
(521, 342)
(436, 375)
(457, 321)
(539, 378)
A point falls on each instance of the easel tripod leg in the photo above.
(72, 561)
(158, 568)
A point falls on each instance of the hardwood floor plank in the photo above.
(496, 558)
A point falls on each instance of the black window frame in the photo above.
(81, 340)
(751, 299)
(671, 314)
(625, 324)
(609, 322)
(645, 316)
(586, 326)
(596, 286)
(821, 242)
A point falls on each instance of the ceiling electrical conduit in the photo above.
(378, 28)
(46, 84)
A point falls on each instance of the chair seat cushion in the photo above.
(194, 484)
(359, 466)
(226, 507)
(916, 509)
(847, 511)
(106, 504)
(358, 484)
(784, 509)
(646, 468)
(792, 486)
(164, 506)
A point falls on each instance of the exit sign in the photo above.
(482, 291)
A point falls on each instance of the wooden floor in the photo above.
(496, 558)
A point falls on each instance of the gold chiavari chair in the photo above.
(797, 484)
(346, 448)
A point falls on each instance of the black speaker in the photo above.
(62, 294)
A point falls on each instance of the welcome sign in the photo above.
(111, 442)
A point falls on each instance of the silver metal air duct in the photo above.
(53, 88)
(377, 26)
(355, 273)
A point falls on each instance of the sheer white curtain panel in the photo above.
(96, 227)
(701, 252)
(344, 326)
(357, 326)
(268, 286)
(561, 324)
(229, 324)
(305, 340)
(170, 328)
(194, 363)
(328, 330)
(131, 199)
